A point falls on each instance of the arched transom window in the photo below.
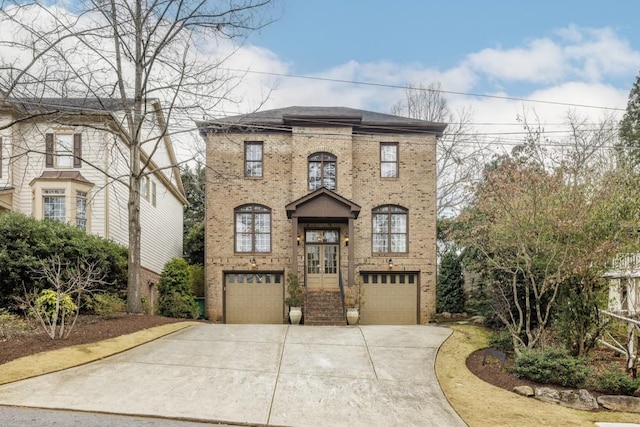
(322, 171)
(253, 228)
(390, 229)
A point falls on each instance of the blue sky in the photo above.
(574, 52)
(316, 34)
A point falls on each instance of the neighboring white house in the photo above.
(624, 284)
(63, 164)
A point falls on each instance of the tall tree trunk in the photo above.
(134, 286)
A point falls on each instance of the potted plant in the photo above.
(353, 300)
(295, 298)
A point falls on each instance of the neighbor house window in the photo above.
(253, 228)
(253, 159)
(63, 150)
(54, 205)
(389, 160)
(81, 210)
(322, 171)
(153, 193)
(390, 224)
(144, 188)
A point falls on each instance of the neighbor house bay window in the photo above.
(54, 205)
(253, 228)
(81, 210)
(390, 225)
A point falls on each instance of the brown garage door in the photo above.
(390, 299)
(254, 297)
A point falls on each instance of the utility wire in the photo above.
(392, 86)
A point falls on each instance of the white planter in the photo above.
(352, 316)
(295, 314)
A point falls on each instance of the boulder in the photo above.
(524, 390)
(547, 394)
(578, 399)
(620, 403)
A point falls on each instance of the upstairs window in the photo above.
(322, 171)
(253, 159)
(63, 150)
(390, 225)
(389, 160)
(253, 228)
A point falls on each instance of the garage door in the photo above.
(254, 297)
(390, 299)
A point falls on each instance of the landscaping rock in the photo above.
(637, 393)
(547, 394)
(478, 320)
(446, 315)
(620, 403)
(578, 399)
(524, 390)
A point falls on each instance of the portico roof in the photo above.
(323, 203)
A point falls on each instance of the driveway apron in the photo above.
(261, 374)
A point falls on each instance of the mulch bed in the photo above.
(88, 329)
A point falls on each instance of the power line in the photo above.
(392, 86)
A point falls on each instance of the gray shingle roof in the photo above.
(92, 105)
(282, 118)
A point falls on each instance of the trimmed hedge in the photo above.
(176, 295)
(25, 241)
(553, 365)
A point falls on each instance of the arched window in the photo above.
(253, 228)
(390, 229)
(322, 171)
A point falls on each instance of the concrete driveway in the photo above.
(261, 374)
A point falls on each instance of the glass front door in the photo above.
(321, 258)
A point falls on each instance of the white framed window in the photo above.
(144, 188)
(153, 193)
(54, 204)
(63, 150)
(81, 210)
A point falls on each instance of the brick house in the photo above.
(327, 193)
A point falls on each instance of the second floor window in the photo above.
(389, 160)
(322, 171)
(253, 228)
(63, 150)
(253, 159)
(390, 225)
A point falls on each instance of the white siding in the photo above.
(108, 198)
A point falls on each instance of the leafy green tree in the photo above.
(450, 294)
(629, 130)
(193, 181)
(194, 244)
(537, 230)
(176, 293)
